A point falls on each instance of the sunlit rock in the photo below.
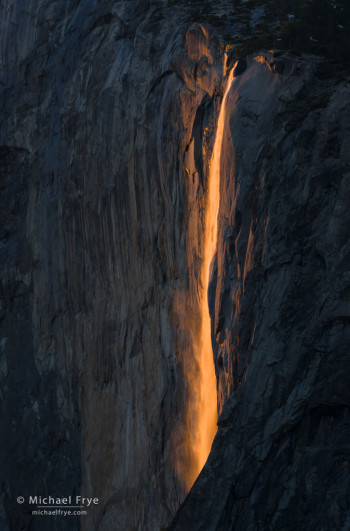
(110, 112)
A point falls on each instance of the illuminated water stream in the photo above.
(206, 414)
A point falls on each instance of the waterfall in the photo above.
(206, 414)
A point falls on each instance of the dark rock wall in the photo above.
(108, 111)
(98, 104)
(40, 440)
(281, 329)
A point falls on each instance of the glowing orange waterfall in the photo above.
(205, 414)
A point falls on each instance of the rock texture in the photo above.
(108, 119)
(280, 307)
(99, 102)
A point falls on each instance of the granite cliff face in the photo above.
(109, 112)
(98, 102)
(280, 309)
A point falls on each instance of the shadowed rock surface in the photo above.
(108, 113)
(98, 103)
(280, 307)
